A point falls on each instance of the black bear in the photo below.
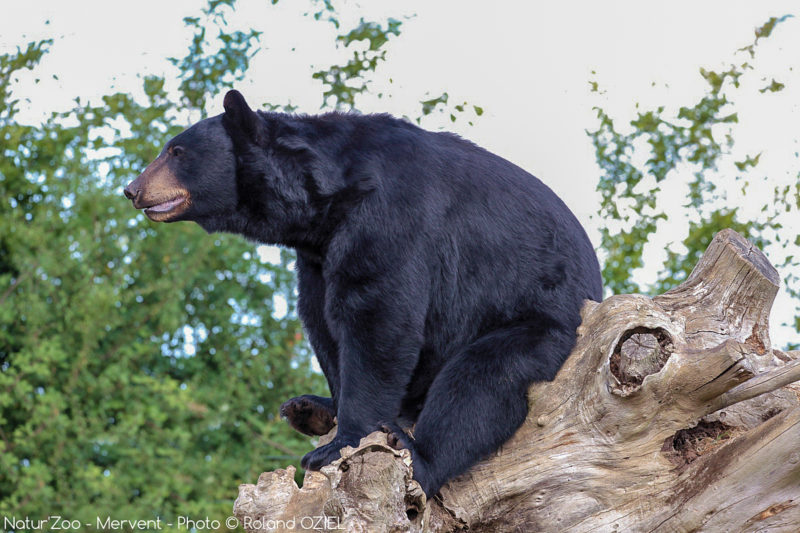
(436, 280)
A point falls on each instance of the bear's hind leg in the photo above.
(479, 399)
(309, 414)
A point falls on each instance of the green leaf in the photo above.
(773, 87)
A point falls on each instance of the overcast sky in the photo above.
(526, 63)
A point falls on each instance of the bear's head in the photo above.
(268, 176)
(195, 176)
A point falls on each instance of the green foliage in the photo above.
(9, 65)
(324, 11)
(205, 73)
(661, 150)
(345, 82)
(440, 104)
(140, 367)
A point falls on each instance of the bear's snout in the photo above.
(128, 191)
(158, 191)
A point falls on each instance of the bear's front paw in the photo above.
(325, 455)
(309, 414)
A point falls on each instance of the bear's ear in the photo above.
(239, 115)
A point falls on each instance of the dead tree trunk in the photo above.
(671, 414)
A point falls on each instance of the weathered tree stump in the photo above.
(672, 414)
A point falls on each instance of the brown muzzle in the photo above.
(158, 191)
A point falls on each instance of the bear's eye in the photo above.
(177, 151)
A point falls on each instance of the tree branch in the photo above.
(761, 384)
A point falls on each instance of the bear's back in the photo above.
(500, 246)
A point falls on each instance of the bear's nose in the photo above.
(129, 193)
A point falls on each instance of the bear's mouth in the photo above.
(162, 211)
(166, 206)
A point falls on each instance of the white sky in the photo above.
(526, 63)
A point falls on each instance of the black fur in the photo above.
(437, 281)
